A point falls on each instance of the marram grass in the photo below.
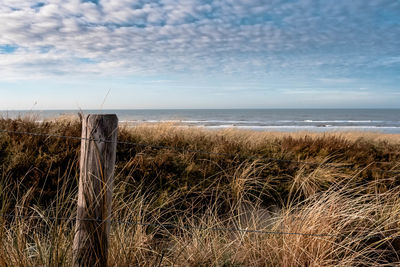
(350, 215)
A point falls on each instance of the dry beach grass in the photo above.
(350, 216)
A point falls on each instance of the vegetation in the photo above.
(347, 204)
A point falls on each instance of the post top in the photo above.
(100, 115)
(107, 118)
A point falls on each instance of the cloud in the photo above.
(326, 93)
(226, 36)
(336, 80)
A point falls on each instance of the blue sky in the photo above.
(67, 54)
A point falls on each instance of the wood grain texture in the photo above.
(98, 152)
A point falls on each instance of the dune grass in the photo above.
(347, 216)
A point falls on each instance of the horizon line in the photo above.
(127, 109)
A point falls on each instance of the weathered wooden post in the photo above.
(98, 152)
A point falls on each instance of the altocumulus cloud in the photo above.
(115, 37)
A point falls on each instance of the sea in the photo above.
(287, 120)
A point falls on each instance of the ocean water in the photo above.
(320, 120)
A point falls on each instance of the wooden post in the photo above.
(98, 152)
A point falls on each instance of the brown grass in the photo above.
(353, 212)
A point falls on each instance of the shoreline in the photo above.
(269, 128)
(283, 120)
(252, 126)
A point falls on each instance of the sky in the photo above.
(134, 54)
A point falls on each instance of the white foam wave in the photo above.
(224, 121)
(197, 121)
(333, 121)
(343, 121)
(300, 127)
